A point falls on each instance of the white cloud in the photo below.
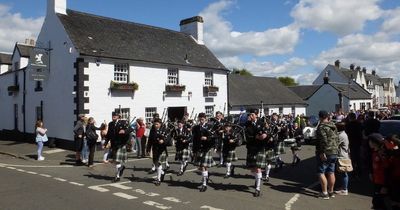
(224, 42)
(338, 16)
(391, 24)
(14, 28)
(372, 51)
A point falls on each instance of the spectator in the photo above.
(326, 154)
(91, 137)
(371, 125)
(41, 138)
(394, 172)
(79, 131)
(343, 153)
(140, 129)
(354, 132)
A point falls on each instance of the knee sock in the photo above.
(258, 181)
(182, 165)
(228, 168)
(153, 167)
(205, 177)
(221, 158)
(105, 156)
(267, 170)
(118, 166)
(159, 172)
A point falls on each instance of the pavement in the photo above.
(67, 186)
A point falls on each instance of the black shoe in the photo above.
(167, 168)
(78, 163)
(184, 168)
(233, 171)
(180, 173)
(257, 193)
(157, 183)
(121, 171)
(162, 177)
(203, 188)
(116, 179)
(297, 161)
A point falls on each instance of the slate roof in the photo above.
(353, 91)
(5, 58)
(24, 50)
(111, 38)
(250, 91)
(374, 78)
(304, 91)
(385, 82)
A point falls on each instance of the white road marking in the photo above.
(31, 172)
(75, 183)
(21, 170)
(45, 175)
(289, 204)
(60, 179)
(33, 166)
(120, 186)
(152, 194)
(53, 151)
(169, 174)
(172, 199)
(97, 188)
(12, 168)
(157, 205)
(126, 196)
(210, 208)
(142, 192)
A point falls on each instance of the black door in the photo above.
(176, 113)
(15, 116)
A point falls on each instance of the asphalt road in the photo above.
(57, 184)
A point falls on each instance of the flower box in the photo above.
(208, 89)
(124, 86)
(175, 88)
(13, 88)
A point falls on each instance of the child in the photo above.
(41, 137)
(103, 133)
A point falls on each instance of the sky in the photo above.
(295, 38)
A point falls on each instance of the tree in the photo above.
(287, 81)
(242, 72)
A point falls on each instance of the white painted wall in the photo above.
(324, 99)
(4, 68)
(7, 102)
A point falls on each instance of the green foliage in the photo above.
(287, 81)
(242, 72)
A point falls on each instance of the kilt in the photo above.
(269, 155)
(205, 159)
(230, 156)
(120, 155)
(161, 159)
(182, 155)
(280, 148)
(256, 159)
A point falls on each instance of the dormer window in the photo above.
(121, 73)
(173, 77)
(208, 79)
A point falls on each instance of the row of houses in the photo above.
(87, 64)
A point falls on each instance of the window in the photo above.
(121, 73)
(293, 111)
(124, 112)
(280, 110)
(209, 111)
(149, 112)
(39, 115)
(173, 77)
(208, 79)
(38, 86)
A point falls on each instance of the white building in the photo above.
(98, 65)
(5, 62)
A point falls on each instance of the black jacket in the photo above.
(202, 145)
(118, 140)
(91, 130)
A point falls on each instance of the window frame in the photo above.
(173, 76)
(209, 111)
(121, 71)
(148, 115)
(208, 79)
(124, 112)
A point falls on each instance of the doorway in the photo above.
(176, 113)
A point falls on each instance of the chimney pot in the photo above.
(373, 72)
(364, 70)
(56, 6)
(337, 63)
(358, 68)
(351, 66)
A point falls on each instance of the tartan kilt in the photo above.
(269, 155)
(230, 156)
(121, 155)
(205, 159)
(256, 159)
(182, 155)
(161, 158)
(280, 148)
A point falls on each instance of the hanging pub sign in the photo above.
(39, 59)
(38, 74)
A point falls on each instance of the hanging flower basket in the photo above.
(175, 88)
(124, 86)
(13, 88)
(208, 89)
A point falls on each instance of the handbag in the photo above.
(344, 165)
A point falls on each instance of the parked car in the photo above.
(395, 117)
(389, 127)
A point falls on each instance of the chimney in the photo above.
(56, 6)
(364, 70)
(358, 68)
(326, 78)
(352, 66)
(373, 72)
(337, 63)
(193, 26)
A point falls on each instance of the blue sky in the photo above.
(296, 38)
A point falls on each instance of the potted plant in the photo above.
(175, 88)
(211, 88)
(132, 86)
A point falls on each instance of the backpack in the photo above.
(91, 135)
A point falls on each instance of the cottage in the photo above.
(265, 93)
(5, 62)
(97, 65)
